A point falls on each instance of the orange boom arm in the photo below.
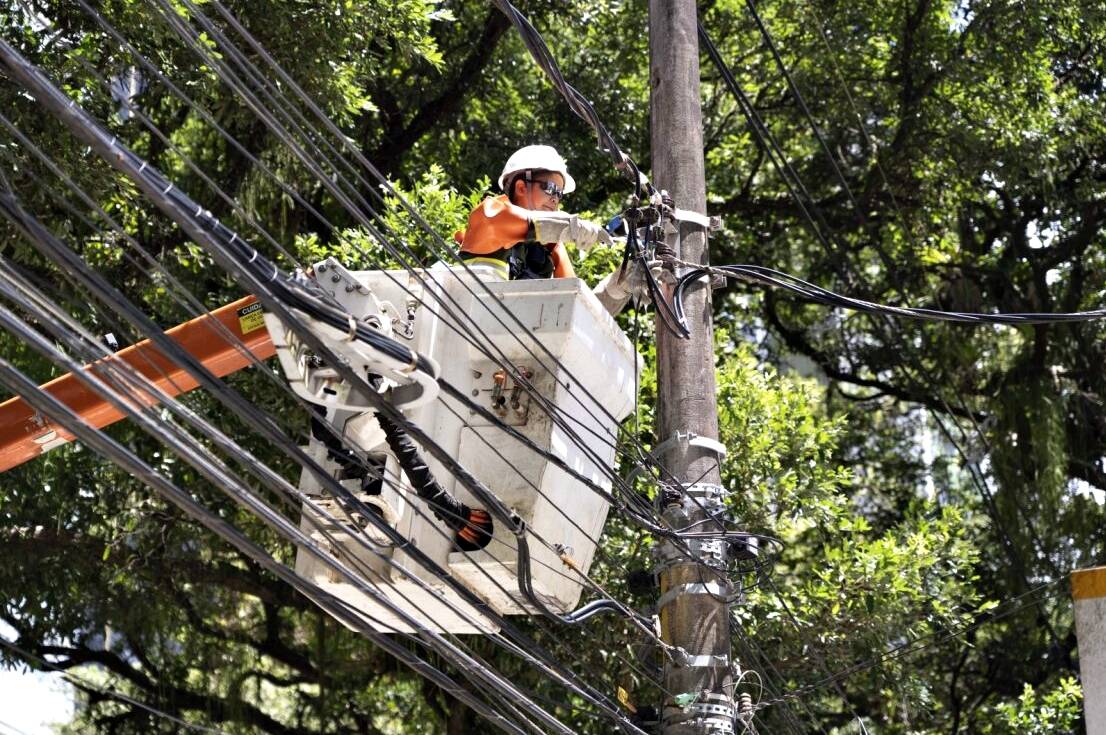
(25, 434)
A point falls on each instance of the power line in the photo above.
(843, 263)
(223, 482)
(167, 189)
(778, 279)
(517, 330)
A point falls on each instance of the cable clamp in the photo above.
(711, 718)
(688, 439)
(411, 366)
(711, 552)
(707, 491)
(352, 333)
(713, 589)
(706, 221)
(703, 661)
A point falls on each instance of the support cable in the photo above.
(353, 208)
(19, 384)
(178, 207)
(630, 496)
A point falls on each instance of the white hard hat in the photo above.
(536, 158)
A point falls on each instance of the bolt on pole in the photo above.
(694, 607)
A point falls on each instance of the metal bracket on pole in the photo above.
(695, 588)
(707, 492)
(714, 716)
(690, 439)
(706, 221)
(707, 497)
(711, 552)
(709, 661)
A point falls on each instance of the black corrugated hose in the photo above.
(472, 526)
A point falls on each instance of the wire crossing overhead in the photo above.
(777, 279)
(579, 104)
(263, 277)
(340, 517)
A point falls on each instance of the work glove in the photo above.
(561, 227)
(619, 286)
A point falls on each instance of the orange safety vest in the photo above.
(497, 234)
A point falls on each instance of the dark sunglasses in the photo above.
(550, 188)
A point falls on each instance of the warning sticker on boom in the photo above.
(251, 318)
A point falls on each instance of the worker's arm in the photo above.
(562, 266)
(495, 224)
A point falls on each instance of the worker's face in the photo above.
(543, 193)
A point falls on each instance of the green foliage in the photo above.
(1052, 712)
(924, 475)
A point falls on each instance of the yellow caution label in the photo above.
(624, 700)
(1088, 583)
(251, 318)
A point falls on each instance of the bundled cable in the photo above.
(579, 104)
(777, 279)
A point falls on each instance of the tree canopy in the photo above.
(932, 484)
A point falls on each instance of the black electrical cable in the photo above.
(579, 104)
(585, 480)
(163, 400)
(40, 233)
(322, 117)
(751, 5)
(49, 406)
(227, 482)
(353, 208)
(284, 76)
(778, 279)
(506, 364)
(768, 143)
(465, 593)
(257, 278)
(261, 51)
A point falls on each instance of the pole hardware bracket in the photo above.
(667, 206)
(695, 588)
(703, 496)
(708, 493)
(703, 661)
(709, 717)
(710, 552)
(706, 221)
(688, 439)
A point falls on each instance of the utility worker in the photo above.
(523, 234)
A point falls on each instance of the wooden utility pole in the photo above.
(693, 607)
